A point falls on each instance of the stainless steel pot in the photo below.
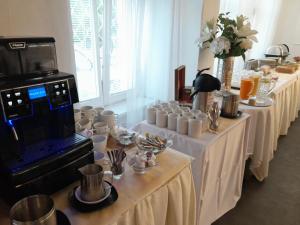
(230, 105)
(33, 210)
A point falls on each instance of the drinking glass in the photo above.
(256, 80)
(266, 85)
(246, 87)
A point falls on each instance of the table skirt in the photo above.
(172, 204)
(218, 165)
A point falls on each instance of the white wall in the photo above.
(40, 18)
(190, 31)
(210, 10)
(288, 28)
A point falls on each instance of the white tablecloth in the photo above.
(286, 96)
(218, 168)
(268, 123)
(261, 138)
(165, 195)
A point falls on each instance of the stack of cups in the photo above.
(108, 116)
(172, 121)
(161, 118)
(151, 115)
(182, 125)
(180, 119)
(98, 110)
(195, 128)
(88, 112)
(205, 121)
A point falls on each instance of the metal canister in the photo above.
(203, 101)
(33, 210)
(230, 105)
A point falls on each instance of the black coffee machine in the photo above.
(39, 149)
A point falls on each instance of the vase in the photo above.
(225, 70)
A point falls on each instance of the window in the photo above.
(97, 28)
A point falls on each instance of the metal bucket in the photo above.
(203, 101)
(33, 210)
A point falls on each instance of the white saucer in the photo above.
(265, 102)
(107, 188)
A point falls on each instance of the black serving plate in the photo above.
(82, 207)
(61, 218)
(238, 115)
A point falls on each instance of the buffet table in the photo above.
(218, 167)
(164, 195)
(268, 123)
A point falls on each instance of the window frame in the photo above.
(102, 70)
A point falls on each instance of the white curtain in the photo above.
(263, 15)
(146, 35)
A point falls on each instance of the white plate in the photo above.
(261, 103)
(107, 188)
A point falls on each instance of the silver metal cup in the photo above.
(91, 183)
(33, 210)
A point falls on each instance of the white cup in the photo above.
(188, 115)
(99, 142)
(82, 124)
(161, 119)
(99, 110)
(205, 121)
(173, 103)
(108, 116)
(182, 125)
(167, 110)
(164, 105)
(156, 106)
(151, 115)
(172, 121)
(185, 109)
(77, 115)
(195, 128)
(196, 112)
(88, 112)
(177, 111)
(101, 128)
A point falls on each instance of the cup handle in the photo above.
(273, 84)
(252, 87)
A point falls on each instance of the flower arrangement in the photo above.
(228, 37)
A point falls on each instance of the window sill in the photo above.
(118, 108)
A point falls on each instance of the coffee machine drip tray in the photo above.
(35, 156)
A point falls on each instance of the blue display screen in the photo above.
(37, 92)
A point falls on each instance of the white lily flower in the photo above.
(245, 31)
(219, 45)
(253, 38)
(246, 44)
(240, 21)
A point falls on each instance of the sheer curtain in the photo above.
(263, 17)
(146, 37)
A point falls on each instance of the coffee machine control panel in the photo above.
(19, 102)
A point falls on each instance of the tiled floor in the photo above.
(276, 201)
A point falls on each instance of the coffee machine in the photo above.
(39, 149)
